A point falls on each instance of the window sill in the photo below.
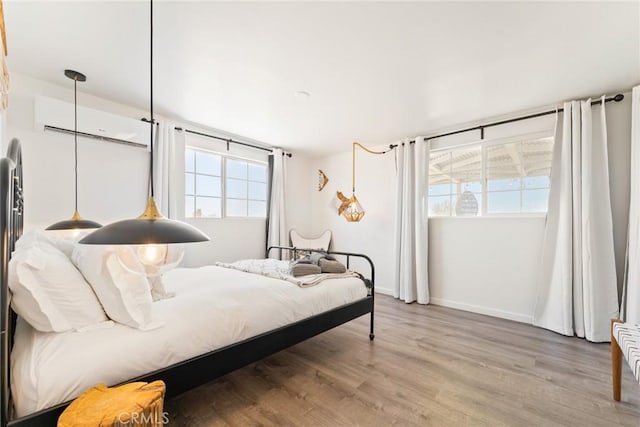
(495, 216)
(227, 218)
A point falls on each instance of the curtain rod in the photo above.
(617, 98)
(229, 141)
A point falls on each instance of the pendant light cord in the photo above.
(152, 121)
(75, 135)
(353, 161)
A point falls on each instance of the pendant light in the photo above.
(76, 223)
(150, 234)
(350, 207)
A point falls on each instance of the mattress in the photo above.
(213, 307)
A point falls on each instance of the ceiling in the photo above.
(375, 72)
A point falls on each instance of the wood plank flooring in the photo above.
(428, 366)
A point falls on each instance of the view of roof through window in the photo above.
(491, 178)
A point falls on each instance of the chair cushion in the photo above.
(628, 337)
(321, 242)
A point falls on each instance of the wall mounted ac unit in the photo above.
(55, 115)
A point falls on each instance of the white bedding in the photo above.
(213, 307)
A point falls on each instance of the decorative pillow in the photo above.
(302, 254)
(125, 296)
(48, 291)
(331, 266)
(303, 269)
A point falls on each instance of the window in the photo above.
(202, 184)
(455, 182)
(491, 178)
(518, 176)
(246, 189)
(216, 184)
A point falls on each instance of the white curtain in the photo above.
(631, 294)
(277, 233)
(167, 147)
(411, 230)
(577, 288)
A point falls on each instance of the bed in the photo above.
(212, 327)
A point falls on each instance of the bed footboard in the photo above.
(369, 282)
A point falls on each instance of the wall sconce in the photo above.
(350, 208)
(322, 180)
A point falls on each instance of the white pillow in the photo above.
(33, 237)
(125, 296)
(127, 254)
(49, 292)
(158, 291)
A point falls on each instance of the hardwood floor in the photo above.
(428, 365)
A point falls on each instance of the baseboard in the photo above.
(384, 291)
(509, 315)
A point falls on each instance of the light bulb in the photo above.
(354, 211)
(150, 259)
(151, 255)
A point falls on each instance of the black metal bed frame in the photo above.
(181, 376)
(11, 221)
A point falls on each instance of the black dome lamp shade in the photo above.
(76, 222)
(151, 229)
(148, 229)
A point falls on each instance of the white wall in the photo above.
(486, 265)
(299, 190)
(113, 177)
(375, 185)
(3, 131)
